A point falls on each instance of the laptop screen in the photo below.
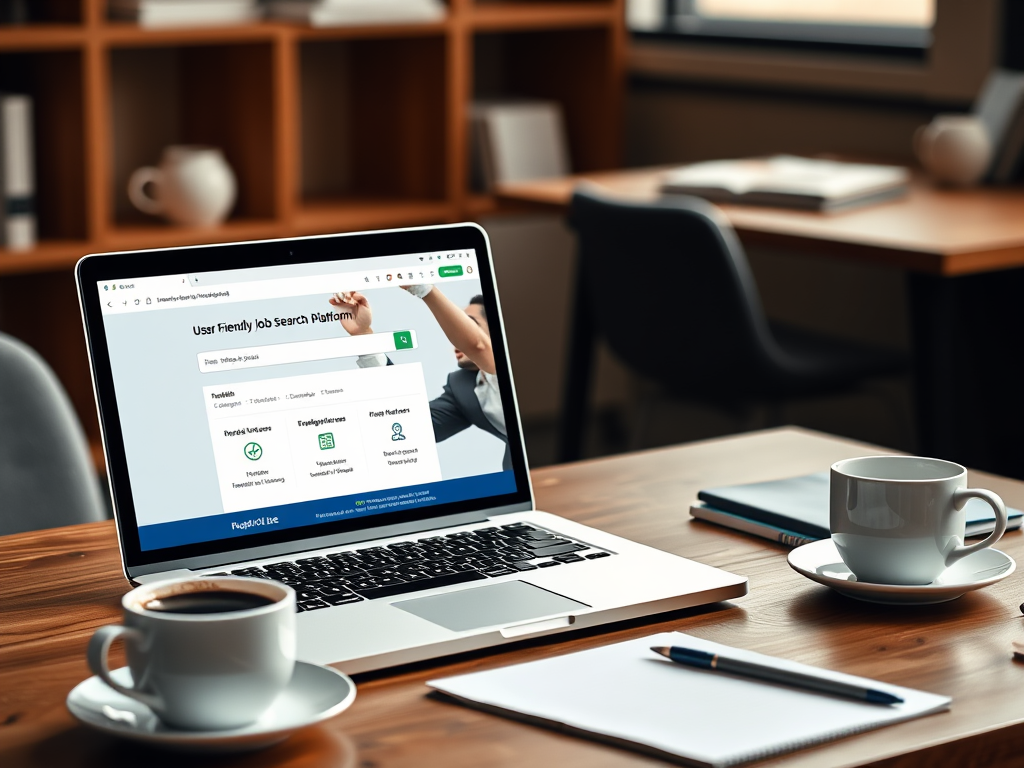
(262, 403)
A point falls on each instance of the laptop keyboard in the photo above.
(413, 566)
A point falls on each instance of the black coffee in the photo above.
(209, 601)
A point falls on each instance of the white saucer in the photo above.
(315, 693)
(820, 562)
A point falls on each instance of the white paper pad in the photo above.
(627, 694)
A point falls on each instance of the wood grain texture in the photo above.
(933, 230)
(57, 586)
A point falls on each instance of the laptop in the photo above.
(338, 413)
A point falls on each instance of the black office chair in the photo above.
(667, 285)
(46, 474)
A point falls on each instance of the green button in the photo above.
(403, 340)
(453, 271)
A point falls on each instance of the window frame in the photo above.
(964, 47)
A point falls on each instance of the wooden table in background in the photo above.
(57, 586)
(964, 251)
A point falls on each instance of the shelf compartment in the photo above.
(541, 15)
(353, 215)
(215, 95)
(569, 66)
(54, 81)
(372, 119)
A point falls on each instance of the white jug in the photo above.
(193, 186)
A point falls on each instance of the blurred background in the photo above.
(343, 115)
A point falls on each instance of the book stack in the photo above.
(185, 13)
(17, 173)
(795, 510)
(516, 140)
(334, 13)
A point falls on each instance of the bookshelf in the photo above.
(327, 130)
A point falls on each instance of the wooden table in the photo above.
(57, 586)
(964, 250)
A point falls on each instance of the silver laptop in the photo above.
(338, 413)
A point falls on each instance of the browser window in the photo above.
(270, 398)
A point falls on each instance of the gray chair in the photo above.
(693, 321)
(46, 474)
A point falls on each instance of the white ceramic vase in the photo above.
(193, 186)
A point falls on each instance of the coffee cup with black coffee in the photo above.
(207, 653)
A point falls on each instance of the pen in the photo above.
(704, 660)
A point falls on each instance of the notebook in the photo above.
(626, 695)
(800, 506)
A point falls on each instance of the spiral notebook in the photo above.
(626, 695)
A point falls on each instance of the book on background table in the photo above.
(798, 508)
(628, 696)
(790, 182)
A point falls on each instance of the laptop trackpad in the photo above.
(499, 604)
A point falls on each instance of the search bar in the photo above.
(305, 351)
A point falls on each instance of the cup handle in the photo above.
(960, 497)
(99, 647)
(137, 190)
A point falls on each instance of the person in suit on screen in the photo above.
(471, 397)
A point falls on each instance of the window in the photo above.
(888, 24)
(931, 50)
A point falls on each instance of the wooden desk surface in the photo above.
(57, 586)
(937, 231)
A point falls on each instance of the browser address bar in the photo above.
(305, 351)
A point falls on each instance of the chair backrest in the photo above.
(669, 288)
(46, 475)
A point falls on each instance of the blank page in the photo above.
(627, 694)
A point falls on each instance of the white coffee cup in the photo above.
(202, 670)
(900, 519)
(193, 186)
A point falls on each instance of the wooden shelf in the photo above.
(47, 256)
(327, 130)
(130, 34)
(141, 236)
(372, 31)
(513, 16)
(41, 37)
(356, 214)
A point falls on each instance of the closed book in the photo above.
(329, 13)
(519, 139)
(786, 181)
(997, 108)
(17, 173)
(183, 13)
(801, 505)
(774, 533)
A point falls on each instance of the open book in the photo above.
(786, 181)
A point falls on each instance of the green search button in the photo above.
(403, 340)
(453, 271)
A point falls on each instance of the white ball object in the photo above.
(954, 149)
